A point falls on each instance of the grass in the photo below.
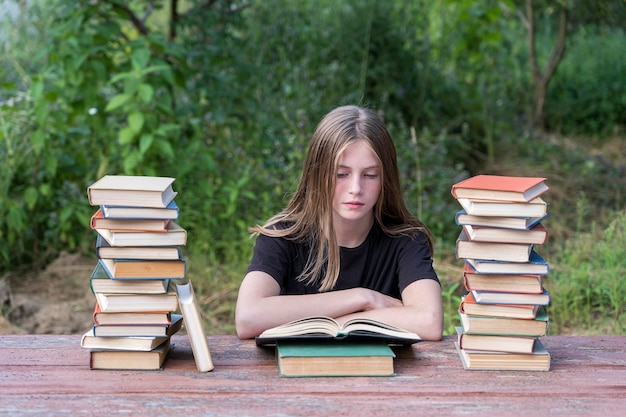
(586, 284)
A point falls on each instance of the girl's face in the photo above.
(358, 183)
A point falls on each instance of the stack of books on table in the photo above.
(139, 260)
(503, 314)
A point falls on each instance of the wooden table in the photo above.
(44, 375)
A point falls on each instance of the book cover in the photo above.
(135, 269)
(517, 223)
(105, 251)
(90, 341)
(520, 283)
(128, 318)
(505, 252)
(139, 330)
(495, 343)
(322, 327)
(327, 358)
(503, 326)
(533, 208)
(139, 303)
(100, 281)
(129, 190)
(535, 265)
(492, 297)
(539, 360)
(536, 236)
(141, 225)
(500, 187)
(171, 212)
(151, 360)
(517, 311)
(190, 309)
(174, 236)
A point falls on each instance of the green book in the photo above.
(505, 326)
(333, 358)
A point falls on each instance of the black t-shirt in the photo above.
(387, 264)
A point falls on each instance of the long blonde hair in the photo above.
(308, 216)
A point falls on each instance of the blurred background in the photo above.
(224, 96)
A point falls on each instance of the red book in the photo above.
(98, 221)
(500, 188)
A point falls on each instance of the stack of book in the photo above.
(138, 248)
(503, 312)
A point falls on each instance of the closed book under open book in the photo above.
(333, 358)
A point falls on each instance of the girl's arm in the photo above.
(421, 312)
(260, 306)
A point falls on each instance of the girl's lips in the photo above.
(353, 204)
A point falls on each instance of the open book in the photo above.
(325, 328)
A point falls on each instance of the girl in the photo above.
(345, 245)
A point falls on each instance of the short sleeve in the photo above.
(415, 262)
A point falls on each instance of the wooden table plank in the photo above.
(49, 375)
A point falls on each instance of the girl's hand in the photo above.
(375, 300)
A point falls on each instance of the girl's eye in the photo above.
(342, 174)
(371, 176)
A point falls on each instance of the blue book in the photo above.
(171, 212)
(536, 265)
(518, 223)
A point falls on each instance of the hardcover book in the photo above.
(495, 343)
(505, 252)
(503, 326)
(131, 269)
(517, 223)
(538, 360)
(171, 212)
(101, 282)
(492, 297)
(137, 302)
(535, 265)
(142, 225)
(520, 283)
(138, 330)
(517, 311)
(128, 318)
(174, 236)
(143, 343)
(191, 311)
(321, 327)
(129, 190)
(500, 187)
(333, 358)
(534, 208)
(536, 236)
(151, 360)
(105, 251)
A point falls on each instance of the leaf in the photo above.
(30, 197)
(135, 121)
(145, 92)
(140, 58)
(66, 213)
(117, 101)
(37, 141)
(145, 142)
(126, 135)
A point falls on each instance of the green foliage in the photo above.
(587, 282)
(224, 96)
(588, 94)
